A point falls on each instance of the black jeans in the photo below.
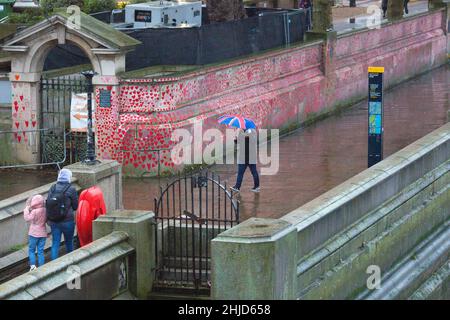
(241, 171)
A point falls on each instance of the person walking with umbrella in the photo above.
(246, 140)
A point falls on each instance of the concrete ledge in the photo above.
(254, 260)
(140, 228)
(107, 175)
(13, 228)
(341, 270)
(335, 210)
(436, 287)
(415, 268)
(50, 280)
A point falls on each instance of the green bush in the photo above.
(28, 16)
(32, 16)
(92, 6)
(49, 5)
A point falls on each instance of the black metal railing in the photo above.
(190, 212)
(56, 97)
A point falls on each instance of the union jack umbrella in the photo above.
(237, 122)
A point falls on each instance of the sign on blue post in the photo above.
(375, 141)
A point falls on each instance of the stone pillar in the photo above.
(25, 116)
(140, 227)
(395, 10)
(322, 15)
(107, 136)
(255, 260)
(107, 175)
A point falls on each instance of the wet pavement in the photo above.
(13, 182)
(312, 160)
(317, 158)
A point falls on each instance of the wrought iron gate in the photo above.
(56, 95)
(190, 212)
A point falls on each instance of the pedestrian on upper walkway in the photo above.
(35, 214)
(384, 6)
(405, 6)
(62, 202)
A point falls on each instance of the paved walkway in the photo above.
(344, 25)
(315, 159)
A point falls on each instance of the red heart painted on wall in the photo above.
(21, 98)
(17, 125)
(19, 138)
(26, 124)
(33, 123)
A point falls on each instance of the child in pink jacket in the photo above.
(35, 214)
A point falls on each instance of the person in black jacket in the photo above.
(384, 7)
(247, 156)
(67, 225)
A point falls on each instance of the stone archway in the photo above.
(103, 45)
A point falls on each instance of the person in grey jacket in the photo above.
(67, 225)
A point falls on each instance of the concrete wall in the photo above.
(394, 216)
(119, 262)
(278, 89)
(14, 229)
(140, 228)
(99, 270)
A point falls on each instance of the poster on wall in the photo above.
(79, 112)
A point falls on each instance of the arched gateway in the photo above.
(103, 45)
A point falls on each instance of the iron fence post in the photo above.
(90, 154)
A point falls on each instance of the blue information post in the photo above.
(375, 142)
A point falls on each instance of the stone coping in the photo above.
(14, 205)
(256, 230)
(37, 283)
(362, 182)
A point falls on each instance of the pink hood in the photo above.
(36, 214)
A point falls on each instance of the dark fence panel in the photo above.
(216, 42)
(104, 16)
(211, 43)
